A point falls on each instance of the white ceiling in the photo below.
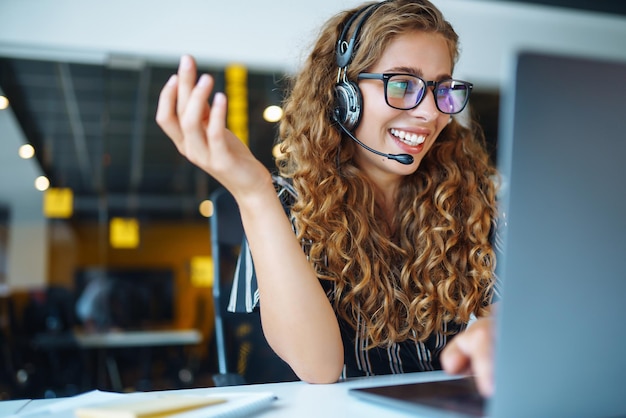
(265, 35)
(275, 35)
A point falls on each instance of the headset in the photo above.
(348, 100)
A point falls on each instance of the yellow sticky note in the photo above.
(58, 202)
(147, 408)
(124, 233)
(202, 271)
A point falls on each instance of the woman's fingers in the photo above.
(195, 118)
(198, 129)
(183, 110)
(217, 125)
(472, 352)
(186, 81)
(166, 115)
(454, 360)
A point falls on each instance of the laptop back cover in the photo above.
(561, 346)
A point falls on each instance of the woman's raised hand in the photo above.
(199, 130)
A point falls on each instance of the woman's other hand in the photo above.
(472, 352)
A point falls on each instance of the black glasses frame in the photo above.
(386, 76)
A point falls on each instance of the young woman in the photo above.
(391, 199)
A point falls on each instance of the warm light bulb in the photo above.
(276, 151)
(4, 102)
(42, 183)
(273, 113)
(206, 208)
(26, 151)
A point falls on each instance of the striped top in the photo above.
(402, 357)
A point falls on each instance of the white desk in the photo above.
(299, 399)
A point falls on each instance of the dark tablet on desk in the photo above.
(447, 398)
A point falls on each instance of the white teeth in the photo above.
(408, 137)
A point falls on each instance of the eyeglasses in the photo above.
(406, 91)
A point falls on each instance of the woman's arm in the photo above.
(297, 317)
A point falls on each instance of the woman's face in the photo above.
(394, 131)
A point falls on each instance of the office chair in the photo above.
(243, 354)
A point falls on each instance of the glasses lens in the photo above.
(452, 96)
(404, 91)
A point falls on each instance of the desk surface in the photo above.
(297, 399)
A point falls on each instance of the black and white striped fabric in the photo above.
(402, 357)
(244, 296)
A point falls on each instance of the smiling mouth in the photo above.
(408, 138)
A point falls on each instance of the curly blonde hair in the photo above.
(438, 265)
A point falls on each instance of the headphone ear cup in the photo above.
(348, 104)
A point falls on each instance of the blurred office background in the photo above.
(92, 190)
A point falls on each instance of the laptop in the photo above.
(561, 345)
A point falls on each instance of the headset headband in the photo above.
(345, 50)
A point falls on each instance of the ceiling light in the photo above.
(42, 183)
(206, 208)
(26, 151)
(4, 102)
(273, 113)
(276, 151)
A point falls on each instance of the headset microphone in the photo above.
(405, 159)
